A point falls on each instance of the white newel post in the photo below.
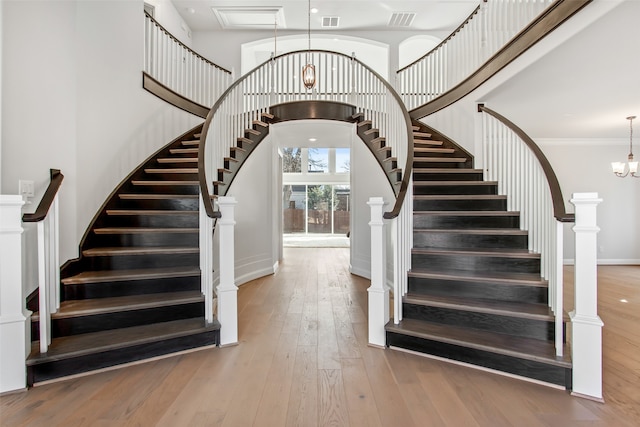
(586, 324)
(378, 291)
(13, 322)
(227, 290)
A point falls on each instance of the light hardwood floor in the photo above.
(303, 361)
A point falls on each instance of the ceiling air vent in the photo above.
(330, 21)
(402, 19)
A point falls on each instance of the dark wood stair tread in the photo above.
(183, 150)
(440, 159)
(94, 306)
(143, 230)
(487, 231)
(422, 134)
(525, 279)
(141, 250)
(171, 170)
(96, 342)
(433, 150)
(520, 347)
(500, 308)
(146, 196)
(453, 183)
(468, 213)
(492, 252)
(136, 274)
(125, 212)
(459, 197)
(426, 142)
(446, 170)
(178, 160)
(139, 182)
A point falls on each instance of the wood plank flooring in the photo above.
(303, 360)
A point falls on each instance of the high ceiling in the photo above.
(205, 15)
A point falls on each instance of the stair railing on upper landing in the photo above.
(340, 78)
(495, 25)
(524, 174)
(46, 218)
(174, 65)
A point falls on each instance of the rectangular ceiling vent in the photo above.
(238, 17)
(402, 19)
(330, 21)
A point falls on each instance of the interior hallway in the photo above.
(303, 361)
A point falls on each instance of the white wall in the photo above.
(367, 180)
(39, 111)
(167, 15)
(223, 47)
(73, 100)
(585, 166)
(254, 190)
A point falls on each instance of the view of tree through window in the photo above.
(318, 160)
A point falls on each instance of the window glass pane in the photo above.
(292, 160)
(319, 208)
(318, 160)
(293, 197)
(343, 160)
(341, 208)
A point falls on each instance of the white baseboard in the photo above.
(608, 261)
(358, 271)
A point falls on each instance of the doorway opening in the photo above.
(316, 183)
(316, 195)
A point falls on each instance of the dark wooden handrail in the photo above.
(443, 42)
(47, 199)
(557, 13)
(559, 211)
(407, 171)
(185, 46)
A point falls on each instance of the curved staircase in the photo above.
(475, 294)
(134, 293)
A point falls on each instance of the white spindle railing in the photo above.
(46, 218)
(485, 32)
(340, 78)
(179, 68)
(524, 174)
(403, 242)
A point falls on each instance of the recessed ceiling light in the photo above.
(314, 10)
(312, 139)
(623, 300)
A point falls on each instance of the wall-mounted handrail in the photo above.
(179, 68)
(46, 218)
(559, 209)
(340, 78)
(47, 199)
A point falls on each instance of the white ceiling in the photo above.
(354, 14)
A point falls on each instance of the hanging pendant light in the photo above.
(309, 70)
(632, 167)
